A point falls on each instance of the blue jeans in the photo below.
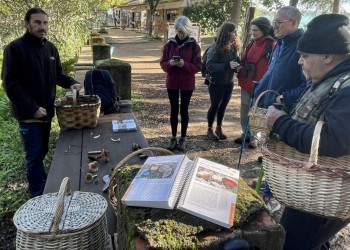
(35, 138)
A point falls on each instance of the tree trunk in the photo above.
(246, 33)
(150, 28)
(236, 11)
(153, 4)
(336, 6)
(293, 3)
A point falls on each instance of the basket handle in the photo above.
(59, 206)
(112, 196)
(261, 95)
(315, 145)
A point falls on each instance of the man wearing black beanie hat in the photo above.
(325, 59)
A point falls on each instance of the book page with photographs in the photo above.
(211, 193)
(153, 184)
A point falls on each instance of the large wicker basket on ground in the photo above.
(318, 185)
(63, 220)
(257, 116)
(78, 112)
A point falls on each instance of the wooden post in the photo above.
(121, 74)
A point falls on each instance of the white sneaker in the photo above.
(272, 205)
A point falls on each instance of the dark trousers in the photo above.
(220, 95)
(35, 138)
(175, 107)
(305, 231)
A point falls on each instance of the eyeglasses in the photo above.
(279, 22)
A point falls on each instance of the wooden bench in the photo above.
(71, 157)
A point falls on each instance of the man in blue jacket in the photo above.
(325, 59)
(31, 70)
(284, 74)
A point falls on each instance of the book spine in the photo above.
(187, 181)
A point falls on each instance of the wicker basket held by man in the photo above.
(325, 58)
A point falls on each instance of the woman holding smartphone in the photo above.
(221, 63)
(181, 60)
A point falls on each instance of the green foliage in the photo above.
(210, 15)
(68, 22)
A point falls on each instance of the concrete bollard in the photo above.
(100, 51)
(121, 74)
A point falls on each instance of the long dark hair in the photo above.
(223, 37)
(34, 10)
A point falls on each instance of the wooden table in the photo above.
(71, 157)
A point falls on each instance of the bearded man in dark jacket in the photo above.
(325, 60)
(31, 70)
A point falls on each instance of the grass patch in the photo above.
(137, 104)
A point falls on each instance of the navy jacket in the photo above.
(284, 74)
(335, 134)
(31, 69)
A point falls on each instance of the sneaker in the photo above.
(211, 135)
(239, 140)
(219, 133)
(272, 204)
(172, 144)
(181, 145)
(253, 143)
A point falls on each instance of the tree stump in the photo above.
(151, 228)
(121, 74)
(100, 51)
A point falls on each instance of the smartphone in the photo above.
(176, 58)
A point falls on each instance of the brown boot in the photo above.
(211, 135)
(219, 133)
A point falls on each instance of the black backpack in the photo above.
(99, 82)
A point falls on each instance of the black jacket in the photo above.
(31, 69)
(218, 66)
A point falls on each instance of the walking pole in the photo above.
(246, 127)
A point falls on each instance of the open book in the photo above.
(124, 125)
(201, 187)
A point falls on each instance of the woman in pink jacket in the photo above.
(181, 60)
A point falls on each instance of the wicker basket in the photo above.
(78, 112)
(63, 221)
(318, 185)
(257, 116)
(111, 189)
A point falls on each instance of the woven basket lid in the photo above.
(79, 211)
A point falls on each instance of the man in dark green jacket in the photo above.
(31, 70)
(325, 59)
